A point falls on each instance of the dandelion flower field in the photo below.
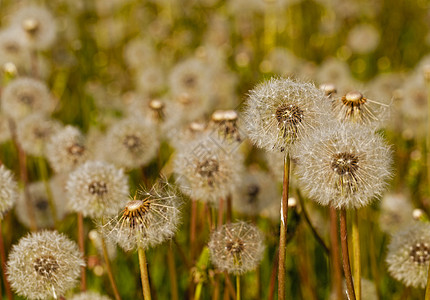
(214, 149)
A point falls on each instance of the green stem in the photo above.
(237, 287)
(172, 273)
(356, 251)
(283, 229)
(109, 270)
(345, 255)
(144, 274)
(198, 291)
(3, 265)
(43, 169)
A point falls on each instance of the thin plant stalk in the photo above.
(172, 273)
(193, 223)
(109, 270)
(81, 242)
(283, 229)
(143, 265)
(427, 295)
(220, 212)
(229, 286)
(356, 253)
(308, 221)
(229, 211)
(345, 255)
(198, 291)
(237, 287)
(3, 265)
(44, 174)
(273, 276)
(335, 255)
(22, 160)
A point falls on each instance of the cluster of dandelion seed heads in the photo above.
(23, 96)
(8, 190)
(281, 111)
(409, 255)
(89, 296)
(66, 149)
(43, 265)
(148, 219)
(131, 143)
(207, 170)
(343, 165)
(97, 189)
(34, 131)
(236, 247)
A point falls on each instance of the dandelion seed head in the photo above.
(13, 48)
(396, 212)
(34, 131)
(409, 254)
(97, 189)
(236, 247)
(280, 111)
(8, 190)
(363, 38)
(23, 96)
(43, 265)
(329, 89)
(39, 202)
(343, 165)
(131, 143)
(38, 24)
(66, 149)
(208, 171)
(147, 220)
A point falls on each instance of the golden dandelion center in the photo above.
(46, 266)
(420, 253)
(353, 99)
(98, 188)
(289, 115)
(344, 163)
(235, 246)
(134, 213)
(76, 149)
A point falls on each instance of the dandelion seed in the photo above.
(66, 149)
(236, 247)
(280, 111)
(43, 265)
(147, 220)
(23, 96)
(343, 165)
(97, 189)
(409, 255)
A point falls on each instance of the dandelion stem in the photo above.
(229, 209)
(356, 251)
(427, 295)
(345, 255)
(143, 265)
(273, 276)
(237, 287)
(3, 264)
(229, 285)
(44, 174)
(335, 255)
(220, 212)
(283, 229)
(22, 160)
(172, 273)
(81, 241)
(109, 270)
(193, 223)
(198, 291)
(308, 221)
